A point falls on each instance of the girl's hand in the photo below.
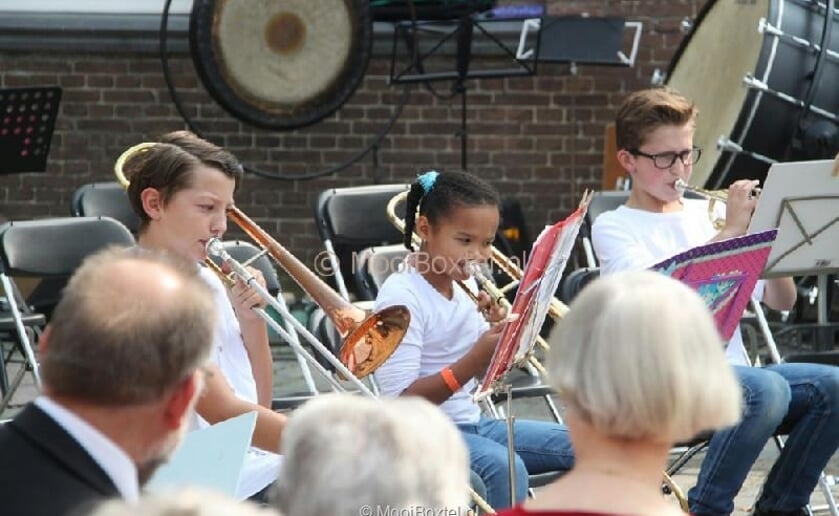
(244, 298)
(740, 206)
(492, 311)
(487, 342)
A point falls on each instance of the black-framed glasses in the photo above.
(666, 160)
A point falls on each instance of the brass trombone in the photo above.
(367, 341)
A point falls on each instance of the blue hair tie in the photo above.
(427, 180)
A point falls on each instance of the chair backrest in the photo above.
(243, 251)
(107, 199)
(356, 216)
(575, 281)
(374, 265)
(56, 247)
(351, 219)
(602, 202)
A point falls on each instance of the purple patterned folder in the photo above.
(724, 273)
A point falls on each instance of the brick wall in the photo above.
(538, 139)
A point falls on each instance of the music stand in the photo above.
(464, 38)
(560, 40)
(799, 198)
(27, 120)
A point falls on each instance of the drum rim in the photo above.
(751, 103)
(206, 62)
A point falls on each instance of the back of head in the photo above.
(168, 167)
(644, 111)
(639, 356)
(345, 452)
(183, 502)
(131, 324)
(434, 194)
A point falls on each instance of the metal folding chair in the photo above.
(45, 249)
(352, 219)
(106, 199)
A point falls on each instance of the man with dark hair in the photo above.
(121, 364)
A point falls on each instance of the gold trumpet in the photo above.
(714, 196)
(557, 309)
(367, 340)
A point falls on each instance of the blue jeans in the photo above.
(801, 400)
(540, 447)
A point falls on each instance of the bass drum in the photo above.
(766, 87)
(280, 64)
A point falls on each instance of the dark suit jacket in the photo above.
(44, 471)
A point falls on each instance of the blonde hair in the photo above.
(344, 452)
(639, 356)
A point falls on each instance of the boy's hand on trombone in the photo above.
(244, 298)
(491, 309)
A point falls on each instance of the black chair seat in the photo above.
(816, 357)
(290, 402)
(7, 323)
(523, 386)
(701, 438)
(543, 479)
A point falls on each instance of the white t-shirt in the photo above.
(440, 333)
(229, 354)
(632, 239)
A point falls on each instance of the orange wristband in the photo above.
(450, 380)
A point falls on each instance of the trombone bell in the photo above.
(374, 340)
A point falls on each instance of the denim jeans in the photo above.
(801, 400)
(540, 447)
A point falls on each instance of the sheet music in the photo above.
(540, 278)
(800, 199)
(213, 457)
(724, 274)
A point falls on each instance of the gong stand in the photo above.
(459, 33)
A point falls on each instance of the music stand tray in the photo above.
(429, 51)
(583, 40)
(800, 199)
(27, 120)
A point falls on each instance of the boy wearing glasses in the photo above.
(654, 130)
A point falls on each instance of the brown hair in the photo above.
(642, 112)
(118, 339)
(168, 167)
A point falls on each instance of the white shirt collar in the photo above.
(110, 457)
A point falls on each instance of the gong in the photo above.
(280, 64)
